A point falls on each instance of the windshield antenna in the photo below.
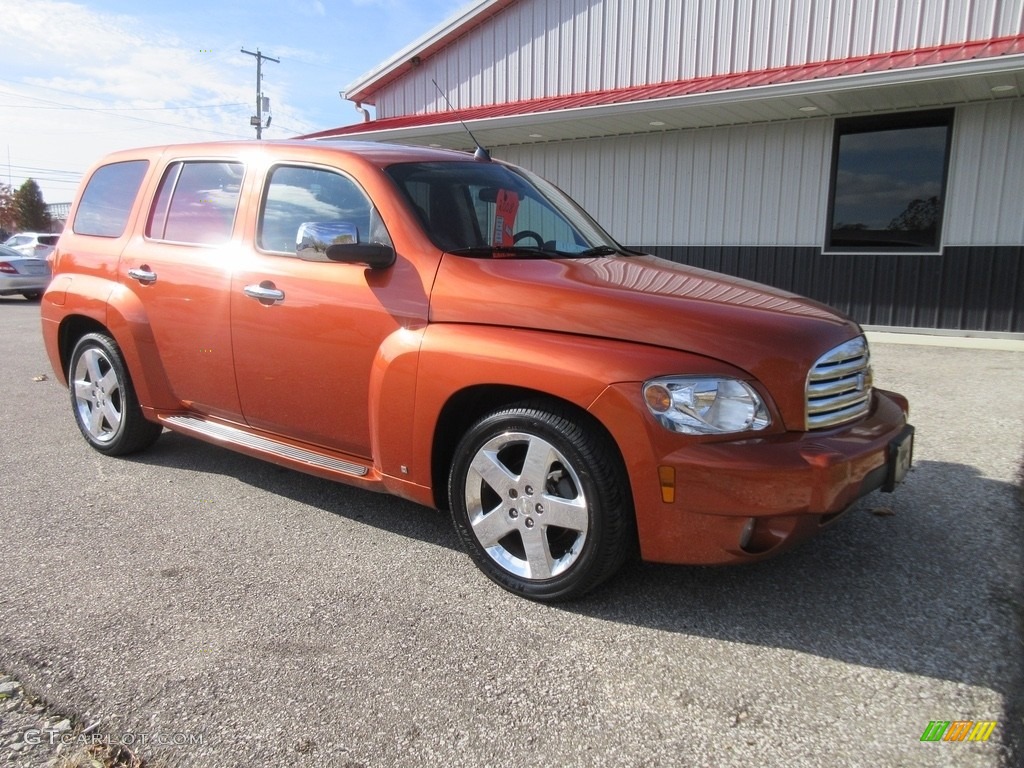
(481, 153)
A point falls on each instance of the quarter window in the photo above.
(196, 203)
(889, 182)
(305, 209)
(108, 198)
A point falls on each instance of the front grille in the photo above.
(839, 385)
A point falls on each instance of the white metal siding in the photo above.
(746, 185)
(985, 202)
(768, 184)
(541, 48)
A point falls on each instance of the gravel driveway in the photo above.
(219, 611)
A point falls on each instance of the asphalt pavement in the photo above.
(215, 610)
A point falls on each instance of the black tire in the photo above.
(32, 295)
(518, 470)
(103, 399)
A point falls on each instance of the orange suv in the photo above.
(458, 332)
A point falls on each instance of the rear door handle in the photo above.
(143, 274)
(265, 293)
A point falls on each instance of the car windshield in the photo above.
(485, 209)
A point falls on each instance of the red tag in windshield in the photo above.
(505, 217)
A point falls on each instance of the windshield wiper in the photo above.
(505, 251)
(512, 251)
(601, 250)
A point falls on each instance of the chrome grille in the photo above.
(839, 385)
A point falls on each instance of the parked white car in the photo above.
(37, 244)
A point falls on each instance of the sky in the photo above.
(81, 79)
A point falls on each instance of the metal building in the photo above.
(869, 154)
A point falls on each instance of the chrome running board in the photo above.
(222, 433)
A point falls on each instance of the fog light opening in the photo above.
(826, 519)
(761, 535)
(747, 533)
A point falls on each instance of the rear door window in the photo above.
(196, 203)
(108, 198)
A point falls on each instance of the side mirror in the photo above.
(373, 255)
(314, 237)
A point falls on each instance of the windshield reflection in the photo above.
(492, 210)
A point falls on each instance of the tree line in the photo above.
(23, 209)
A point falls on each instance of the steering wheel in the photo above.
(528, 233)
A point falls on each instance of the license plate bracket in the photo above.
(901, 456)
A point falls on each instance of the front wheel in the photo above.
(540, 500)
(103, 399)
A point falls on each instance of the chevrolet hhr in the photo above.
(458, 332)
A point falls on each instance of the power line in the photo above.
(295, 131)
(76, 94)
(122, 109)
(125, 117)
(34, 169)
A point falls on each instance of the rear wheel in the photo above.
(103, 399)
(540, 500)
(32, 295)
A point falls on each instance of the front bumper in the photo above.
(723, 502)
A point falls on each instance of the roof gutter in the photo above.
(802, 88)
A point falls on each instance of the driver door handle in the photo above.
(143, 274)
(264, 293)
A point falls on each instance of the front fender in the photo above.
(573, 369)
(391, 405)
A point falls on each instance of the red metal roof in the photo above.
(881, 62)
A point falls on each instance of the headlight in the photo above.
(705, 406)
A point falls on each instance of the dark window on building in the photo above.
(196, 203)
(108, 198)
(313, 207)
(889, 182)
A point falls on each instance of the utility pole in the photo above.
(257, 119)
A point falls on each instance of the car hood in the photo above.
(644, 299)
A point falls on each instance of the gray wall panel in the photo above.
(977, 289)
(768, 184)
(743, 185)
(986, 200)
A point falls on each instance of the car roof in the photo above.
(377, 153)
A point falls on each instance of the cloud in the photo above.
(308, 7)
(113, 57)
(79, 83)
